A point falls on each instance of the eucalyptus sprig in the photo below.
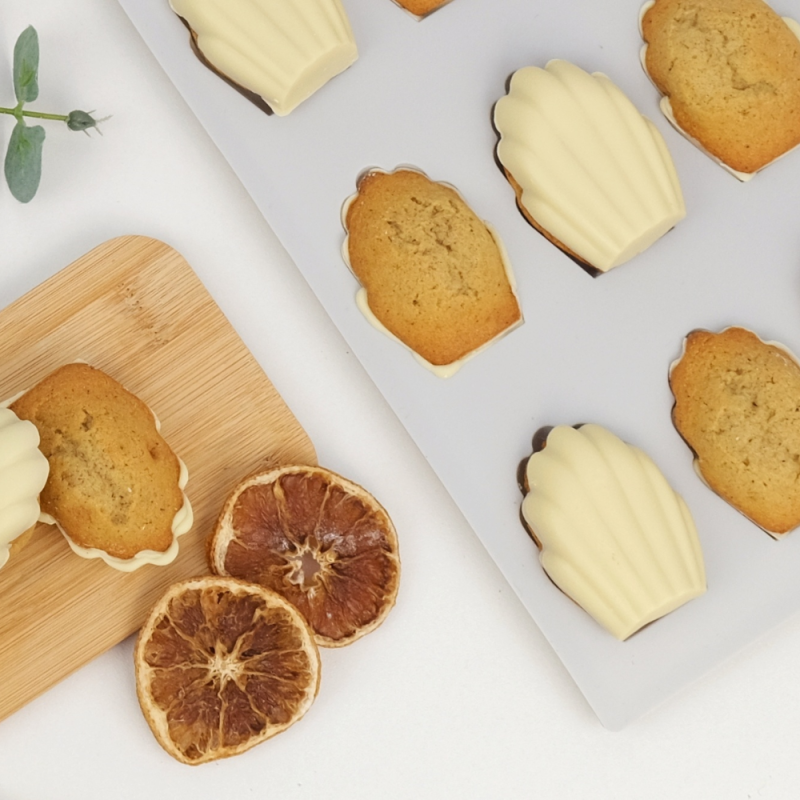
(23, 164)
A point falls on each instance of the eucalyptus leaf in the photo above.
(26, 65)
(23, 166)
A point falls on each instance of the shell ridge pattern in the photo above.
(640, 533)
(623, 527)
(588, 534)
(216, 15)
(673, 189)
(648, 152)
(678, 519)
(616, 143)
(552, 502)
(627, 138)
(545, 192)
(302, 28)
(587, 587)
(287, 17)
(698, 564)
(605, 219)
(553, 203)
(615, 536)
(663, 571)
(588, 167)
(673, 520)
(587, 478)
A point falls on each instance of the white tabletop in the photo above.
(457, 694)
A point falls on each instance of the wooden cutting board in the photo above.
(134, 308)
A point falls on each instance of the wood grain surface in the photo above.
(134, 308)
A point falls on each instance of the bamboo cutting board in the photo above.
(134, 308)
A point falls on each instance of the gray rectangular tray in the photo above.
(591, 349)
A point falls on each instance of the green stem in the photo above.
(38, 114)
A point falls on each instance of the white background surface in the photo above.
(457, 694)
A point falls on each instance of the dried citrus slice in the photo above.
(222, 665)
(320, 540)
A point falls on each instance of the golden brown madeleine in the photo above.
(115, 484)
(731, 71)
(422, 8)
(737, 405)
(433, 274)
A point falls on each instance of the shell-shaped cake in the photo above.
(729, 73)
(590, 172)
(736, 407)
(282, 51)
(433, 275)
(613, 535)
(116, 488)
(421, 8)
(23, 474)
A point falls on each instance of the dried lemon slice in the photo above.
(320, 540)
(222, 665)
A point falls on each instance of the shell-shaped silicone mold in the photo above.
(23, 473)
(592, 171)
(283, 51)
(614, 536)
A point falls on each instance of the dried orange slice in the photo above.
(222, 665)
(320, 540)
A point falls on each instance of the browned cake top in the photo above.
(731, 69)
(113, 480)
(421, 7)
(433, 273)
(737, 405)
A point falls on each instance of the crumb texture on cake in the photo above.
(589, 171)
(433, 273)
(114, 481)
(737, 405)
(731, 72)
(613, 535)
